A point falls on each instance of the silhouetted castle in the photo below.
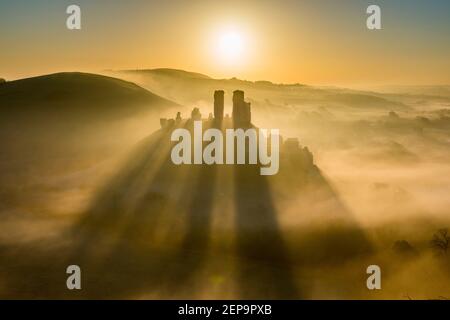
(241, 109)
(241, 118)
(241, 115)
(219, 104)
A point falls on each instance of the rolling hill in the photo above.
(82, 94)
(171, 73)
(70, 119)
(192, 88)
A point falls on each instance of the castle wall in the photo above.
(218, 104)
(241, 109)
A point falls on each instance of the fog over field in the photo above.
(86, 178)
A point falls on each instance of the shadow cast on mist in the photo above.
(264, 269)
(156, 243)
(341, 238)
(148, 233)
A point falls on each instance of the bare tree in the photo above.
(441, 241)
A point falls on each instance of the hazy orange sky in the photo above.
(314, 42)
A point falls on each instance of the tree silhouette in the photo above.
(441, 241)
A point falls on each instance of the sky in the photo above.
(324, 42)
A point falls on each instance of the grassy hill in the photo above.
(82, 117)
(172, 73)
(193, 88)
(82, 94)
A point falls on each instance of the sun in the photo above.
(231, 46)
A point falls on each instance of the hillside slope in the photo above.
(174, 73)
(73, 120)
(193, 88)
(77, 93)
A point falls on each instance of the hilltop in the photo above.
(87, 116)
(176, 73)
(190, 88)
(70, 93)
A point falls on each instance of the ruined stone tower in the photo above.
(241, 109)
(218, 104)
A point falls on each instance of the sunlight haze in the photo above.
(324, 42)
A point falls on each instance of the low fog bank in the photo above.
(391, 170)
(378, 194)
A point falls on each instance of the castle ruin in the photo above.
(241, 118)
(218, 104)
(241, 110)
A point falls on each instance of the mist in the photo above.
(368, 185)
